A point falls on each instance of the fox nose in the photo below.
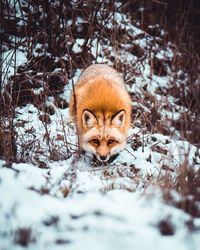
(103, 157)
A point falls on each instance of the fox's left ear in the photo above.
(118, 119)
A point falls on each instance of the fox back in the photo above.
(101, 108)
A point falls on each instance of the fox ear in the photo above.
(88, 119)
(118, 119)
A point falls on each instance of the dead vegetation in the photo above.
(24, 237)
(48, 40)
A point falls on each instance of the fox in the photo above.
(100, 105)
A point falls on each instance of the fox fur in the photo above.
(101, 108)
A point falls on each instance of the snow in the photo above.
(118, 217)
(84, 206)
(77, 45)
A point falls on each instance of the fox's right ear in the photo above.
(89, 119)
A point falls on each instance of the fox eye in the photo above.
(111, 141)
(95, 141)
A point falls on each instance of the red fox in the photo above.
(101, 108)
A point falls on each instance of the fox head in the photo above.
(103, 134)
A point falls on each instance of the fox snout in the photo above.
(103, 153)
(102, 158)
(106, 158)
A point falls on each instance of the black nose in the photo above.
(103, 157)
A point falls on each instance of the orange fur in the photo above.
(103, 96)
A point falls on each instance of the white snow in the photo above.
(77, 45)
(83, 206)
(118, 217)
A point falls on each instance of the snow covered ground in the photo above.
(99, 212)
(75, 203)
